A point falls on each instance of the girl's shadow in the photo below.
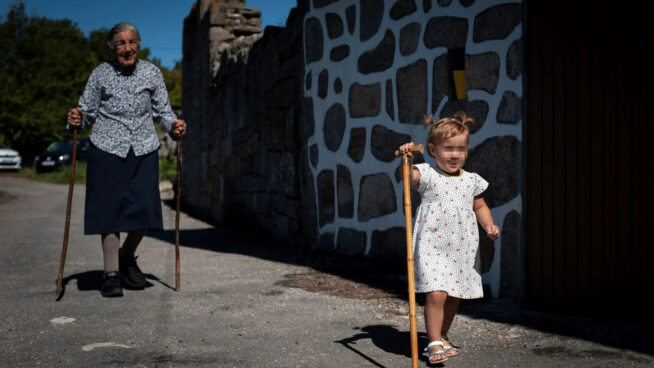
(387, 338)
(92, 281)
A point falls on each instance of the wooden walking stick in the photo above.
(71, 185)
(177, 195)
(406, 174)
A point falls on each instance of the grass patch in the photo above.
(167, 171)
(58, 176)
(168, 168)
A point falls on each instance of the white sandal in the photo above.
(440, 352)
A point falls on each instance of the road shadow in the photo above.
(388, 339)
(622, 331)
(92, 281)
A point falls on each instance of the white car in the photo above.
(9, 159)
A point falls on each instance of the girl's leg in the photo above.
(450, 308)
(110, 245)
(434, 316)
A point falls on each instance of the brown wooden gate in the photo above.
(588, 127)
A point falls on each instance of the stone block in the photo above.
(402, 8)
(345, 192)
(486, 250)
(364, 100)
(357, 145)
(350, 16)
(326, 203)
(322, 3)
(390, 110)
(510, 109)
(482, 71)
(313, 155)
(376, 197)
(350, 242)
(384, 142)
(313, 40)
(442, 85)
(409, 37)
(496, 159)
(339, 53)
(450, 32)
(379, 58)
(323, 83)
(476, 109)
(497, 22)
(411, 85)
(514, 60)
(389, 245)
(371, 13)
(510, 269)
(334, 126)
(334, 25)
(308, 81)
(338, 86)
(326, 241)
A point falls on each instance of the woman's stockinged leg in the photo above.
(110, 246)
(132, 242)
(434, 316)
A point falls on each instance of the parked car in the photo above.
(9, 159)
(60, 153)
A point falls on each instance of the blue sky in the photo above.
(160, 22)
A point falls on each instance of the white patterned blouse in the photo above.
(123, 104)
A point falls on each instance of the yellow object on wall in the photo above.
(460, 84)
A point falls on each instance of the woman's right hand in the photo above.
(75, 116)
(406, 149)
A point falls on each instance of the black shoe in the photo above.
(111, 285)
(131, 272)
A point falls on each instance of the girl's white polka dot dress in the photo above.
(446, 237)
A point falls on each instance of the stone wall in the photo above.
(243, 154)
(296, 135)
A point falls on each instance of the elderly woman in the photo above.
(122, 100)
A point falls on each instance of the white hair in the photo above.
(121, 27)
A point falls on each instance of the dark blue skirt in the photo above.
(122, 194)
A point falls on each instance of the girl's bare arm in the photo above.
(485, 218)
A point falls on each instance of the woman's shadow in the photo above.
(387, 338)
(92, 281)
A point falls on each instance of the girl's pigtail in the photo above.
(429, 120)
(464, 119)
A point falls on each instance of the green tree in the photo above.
(44, 66)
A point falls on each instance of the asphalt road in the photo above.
(245, 302)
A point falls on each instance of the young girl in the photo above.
(445, 238)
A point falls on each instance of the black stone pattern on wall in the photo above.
(496, 160)
(255, 126)
(512, 268)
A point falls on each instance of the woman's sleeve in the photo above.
(425, 177)
(162, 113)
(480, 185)
(89, 101)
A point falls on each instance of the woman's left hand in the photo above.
(179, 128)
